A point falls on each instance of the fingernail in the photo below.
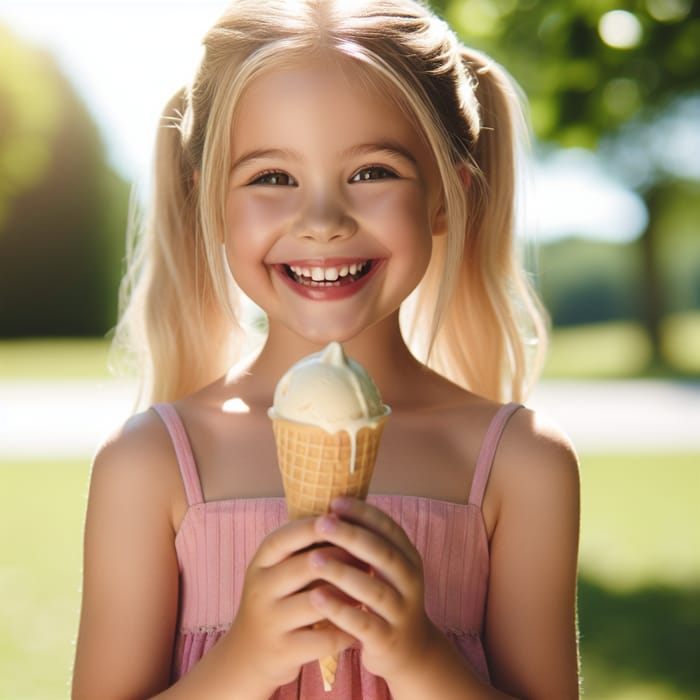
(326, 524)
(342, 503)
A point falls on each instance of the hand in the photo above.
(272, 632)
(390, 622)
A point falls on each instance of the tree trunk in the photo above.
(653, 302)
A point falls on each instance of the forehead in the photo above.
(324, 96)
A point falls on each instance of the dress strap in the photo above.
(183, 452)
(488, 451)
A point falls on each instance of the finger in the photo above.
(357, 586)
(390, 562)
(376, 520)
(294, 574)
(286, 540)
(361, 623)
(299, 612)
(321, 641)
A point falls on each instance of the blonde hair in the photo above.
(486, 328)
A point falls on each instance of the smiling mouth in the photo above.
(329, 276)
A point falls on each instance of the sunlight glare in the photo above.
(236, 405)
(620, 29)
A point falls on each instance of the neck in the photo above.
(381, 350)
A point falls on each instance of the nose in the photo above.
(325, 217)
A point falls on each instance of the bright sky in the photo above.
(127, 57)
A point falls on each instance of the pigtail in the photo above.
(512, 336)
(490, 335)
(173, 321)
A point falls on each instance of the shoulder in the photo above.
(536, 434)
(137, 463)
(533, 445)
(535, 467)
(142, 440)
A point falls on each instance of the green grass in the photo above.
(622, 349)
(639, 587)
(42, 508)
(607, 350)
(637, 513)
(603, 351)
(639, 583)
(51, 358)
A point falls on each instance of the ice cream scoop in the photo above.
(331, 391)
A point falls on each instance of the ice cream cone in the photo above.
(328, 665)
(328, 419)
(316, 467)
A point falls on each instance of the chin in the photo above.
(323, 334)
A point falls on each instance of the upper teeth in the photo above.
(329, 274)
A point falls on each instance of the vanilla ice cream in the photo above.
(331, 391)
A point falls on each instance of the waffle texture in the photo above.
(315, 465)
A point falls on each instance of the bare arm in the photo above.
(531, 640)
(130, 576)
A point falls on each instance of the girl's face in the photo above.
(333, 200)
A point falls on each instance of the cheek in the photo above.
(405, 226)
(247, 235)
(257, 217)
(245, 246)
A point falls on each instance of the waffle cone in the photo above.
(315, 465)
(315, 468)
(328, 666)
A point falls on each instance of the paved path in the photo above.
(69, 419)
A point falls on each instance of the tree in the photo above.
(62, 208)
(597, 74)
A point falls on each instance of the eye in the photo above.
(274, 177)
(373, 172)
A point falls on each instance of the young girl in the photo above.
(328, 159)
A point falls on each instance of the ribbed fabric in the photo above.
(217, 540)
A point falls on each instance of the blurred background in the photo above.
(612, 202)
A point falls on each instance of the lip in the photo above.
(327, 291)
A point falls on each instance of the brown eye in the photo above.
(374, 172)
(275, 178)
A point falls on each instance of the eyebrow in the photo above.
(260, 153)
(389, 148)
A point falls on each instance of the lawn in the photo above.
(639, 584)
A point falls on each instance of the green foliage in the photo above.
(584, 281)
(678, 217)
(609, 76)
(62, 209)
(581, 79)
